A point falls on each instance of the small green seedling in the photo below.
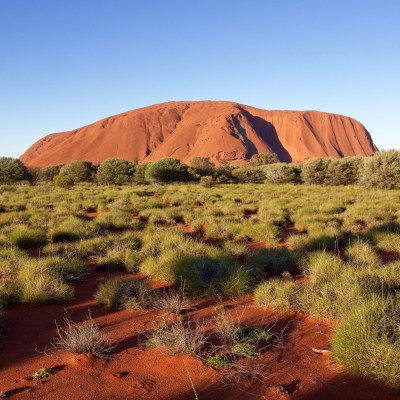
(43, 373)
(151, 344)
(218, 362)
(245, 350)
(255, 335)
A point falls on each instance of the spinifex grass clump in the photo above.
(70, 269)
(132, 294)
(176, 258)
(83, 338)
(362, 254)
(9, 293)
(367, 341)
(37, 284)
(26, 238)
(69, 230)
(11, 259)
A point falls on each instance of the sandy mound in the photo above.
(224, 131)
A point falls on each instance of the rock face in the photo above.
(224, 131)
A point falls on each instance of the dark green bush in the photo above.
(249, 175)
(201, 166)
(315, 172)
(223, 173)
(115, 171)
(48, 174)
(263, 159)
(381, 171)
(63, 181)
(79, 171)
(282, 173)
(344, 171)
(12, 170)
(167, 170)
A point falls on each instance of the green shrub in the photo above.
(47, 174)
(116, 221)
(315, 172)
(249, 175)
(167, 170)
(201, 166)
(257, 160)
(201, 268)
(282, 173)
(239, 281)
(115, 171)
(139, 176)
(122, 205)
(117, 260)
(381, 171)
(26, 238)
(11, 171)
(254, 335)
(79, 171)
(63, 181)
(343, 171)
(207, 181)
(223, 173)
(245, 350)
(218, 362)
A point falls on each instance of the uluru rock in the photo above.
(224, 131)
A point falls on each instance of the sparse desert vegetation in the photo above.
(161, 250)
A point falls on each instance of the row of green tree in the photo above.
(381, 171)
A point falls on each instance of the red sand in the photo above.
(224, 131)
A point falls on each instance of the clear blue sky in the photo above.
(67, 63)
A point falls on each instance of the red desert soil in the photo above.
(293, 370)
(226, 132)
